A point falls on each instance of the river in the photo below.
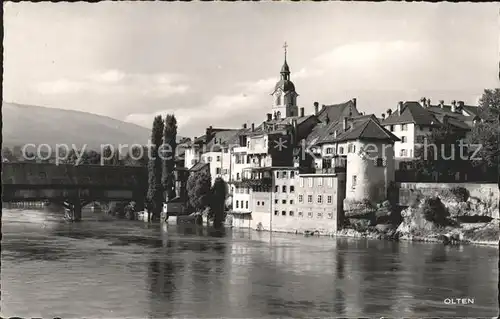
(122, 269)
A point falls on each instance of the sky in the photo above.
(217, 63)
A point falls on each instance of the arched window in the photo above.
(278, 114)
(278, 99)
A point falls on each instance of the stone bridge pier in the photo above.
(73, 209)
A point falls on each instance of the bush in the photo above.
(460, 193)
(434, 211)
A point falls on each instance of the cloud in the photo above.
(111, 82)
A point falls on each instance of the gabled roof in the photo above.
(335, 112)
(198, 166)
(411, 112)
(362, 128)
(276, 126)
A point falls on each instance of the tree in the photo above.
(169, 140)
(218, 195)
(442, 153)
(8, 155)
(490, 98)
(155, 191)
(198, 186)
(485, 133)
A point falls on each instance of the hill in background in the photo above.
(23, 124)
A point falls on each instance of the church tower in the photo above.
(284, 95)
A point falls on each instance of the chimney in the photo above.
(428, 103)
(400, 107)
(441, 103)
(244, 125)
(208, 134)
(460, 105)
(301, 112)
(345, 123)
(269, 117)
(453, 106)
(323, 107)
(383, 116)
(353, 100)
(253, 127)
(422, 101)
(389, 112)
(316, 108)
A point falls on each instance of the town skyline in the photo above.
(135, 61)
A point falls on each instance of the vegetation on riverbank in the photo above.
(451, 217)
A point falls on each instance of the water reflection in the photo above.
(125, 269)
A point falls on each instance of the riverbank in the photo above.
(483, 236)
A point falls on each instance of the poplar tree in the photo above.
(155, 191)
(168, 173)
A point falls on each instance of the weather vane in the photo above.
(284, 47)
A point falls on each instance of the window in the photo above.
(224, 171)
(284, 189)
(301, 198)
(226, 150)
(248, 159)
(241, 204)
(330, 181)
(277, 174)
(258, 203)
(320, 215)
(238, 176)
(329, 150)
(330, 215)
(351, 148)
(341, 150)
(246, 204)
(302, 182)
(320, 199)
(283, 201)
(283, 213)
(209, 159)
(404, 127)
(354, 181)
(403, 139)
(275, 213)
(290, 213)
(320, 181)
(402, 153)
(379, 162)
(276, 189)
(310, 214)
(329, 199)
(291, 201)
(391, 128)
(292, 174)
(301, 214)
(262, 203)
(276, 201)
(310, 180)
(292, 189)
(218, 158)
(309, 198)
(237, 204)
(278, 99)
(284, 174)
(217, 170)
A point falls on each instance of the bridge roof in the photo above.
(38, 174)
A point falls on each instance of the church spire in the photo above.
(285, 70)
